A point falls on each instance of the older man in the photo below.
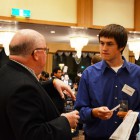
(26, 111)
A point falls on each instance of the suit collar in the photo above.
(22, 68)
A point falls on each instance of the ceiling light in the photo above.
(52, 32)
(134, 45)
(5, 38)
(78, 42)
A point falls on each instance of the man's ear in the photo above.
(35, 55)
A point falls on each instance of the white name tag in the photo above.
(128, 90)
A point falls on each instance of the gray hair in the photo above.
(25, 41)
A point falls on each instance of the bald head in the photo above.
(23, 49)
(25, 41)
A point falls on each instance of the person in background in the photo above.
(67, 80)
(52, 92)
(104, 84)
(75, 89)
(55, 96)
(96, 58)
(76, 81)
(43, 76)
(26, 110)
(57, 72)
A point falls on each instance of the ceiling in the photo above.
(57, 34)
(53, 33)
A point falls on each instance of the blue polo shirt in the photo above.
(100, 86)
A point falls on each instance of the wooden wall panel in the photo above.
(137, 15)
(84, 13)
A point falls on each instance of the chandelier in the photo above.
(5, 38)
(134, 45)
(78, 42)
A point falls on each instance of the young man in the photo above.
(57, 72)
(26, 110)
(101, 85)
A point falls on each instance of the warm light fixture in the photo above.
(78, 42)
(61, 65)
(134, 45)
(5, 38)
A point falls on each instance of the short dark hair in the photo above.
(95, 59)
(56, 69)
(45, 74)
(118, 32)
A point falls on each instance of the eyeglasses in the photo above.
(45, 49)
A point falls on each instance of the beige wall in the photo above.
(104, 11)
(113, 11)
(51, 10)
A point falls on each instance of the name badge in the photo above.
(128, 90)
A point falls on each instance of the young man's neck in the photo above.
(115, 63)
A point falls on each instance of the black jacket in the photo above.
(26, 110)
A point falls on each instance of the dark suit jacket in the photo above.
(26, 111)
